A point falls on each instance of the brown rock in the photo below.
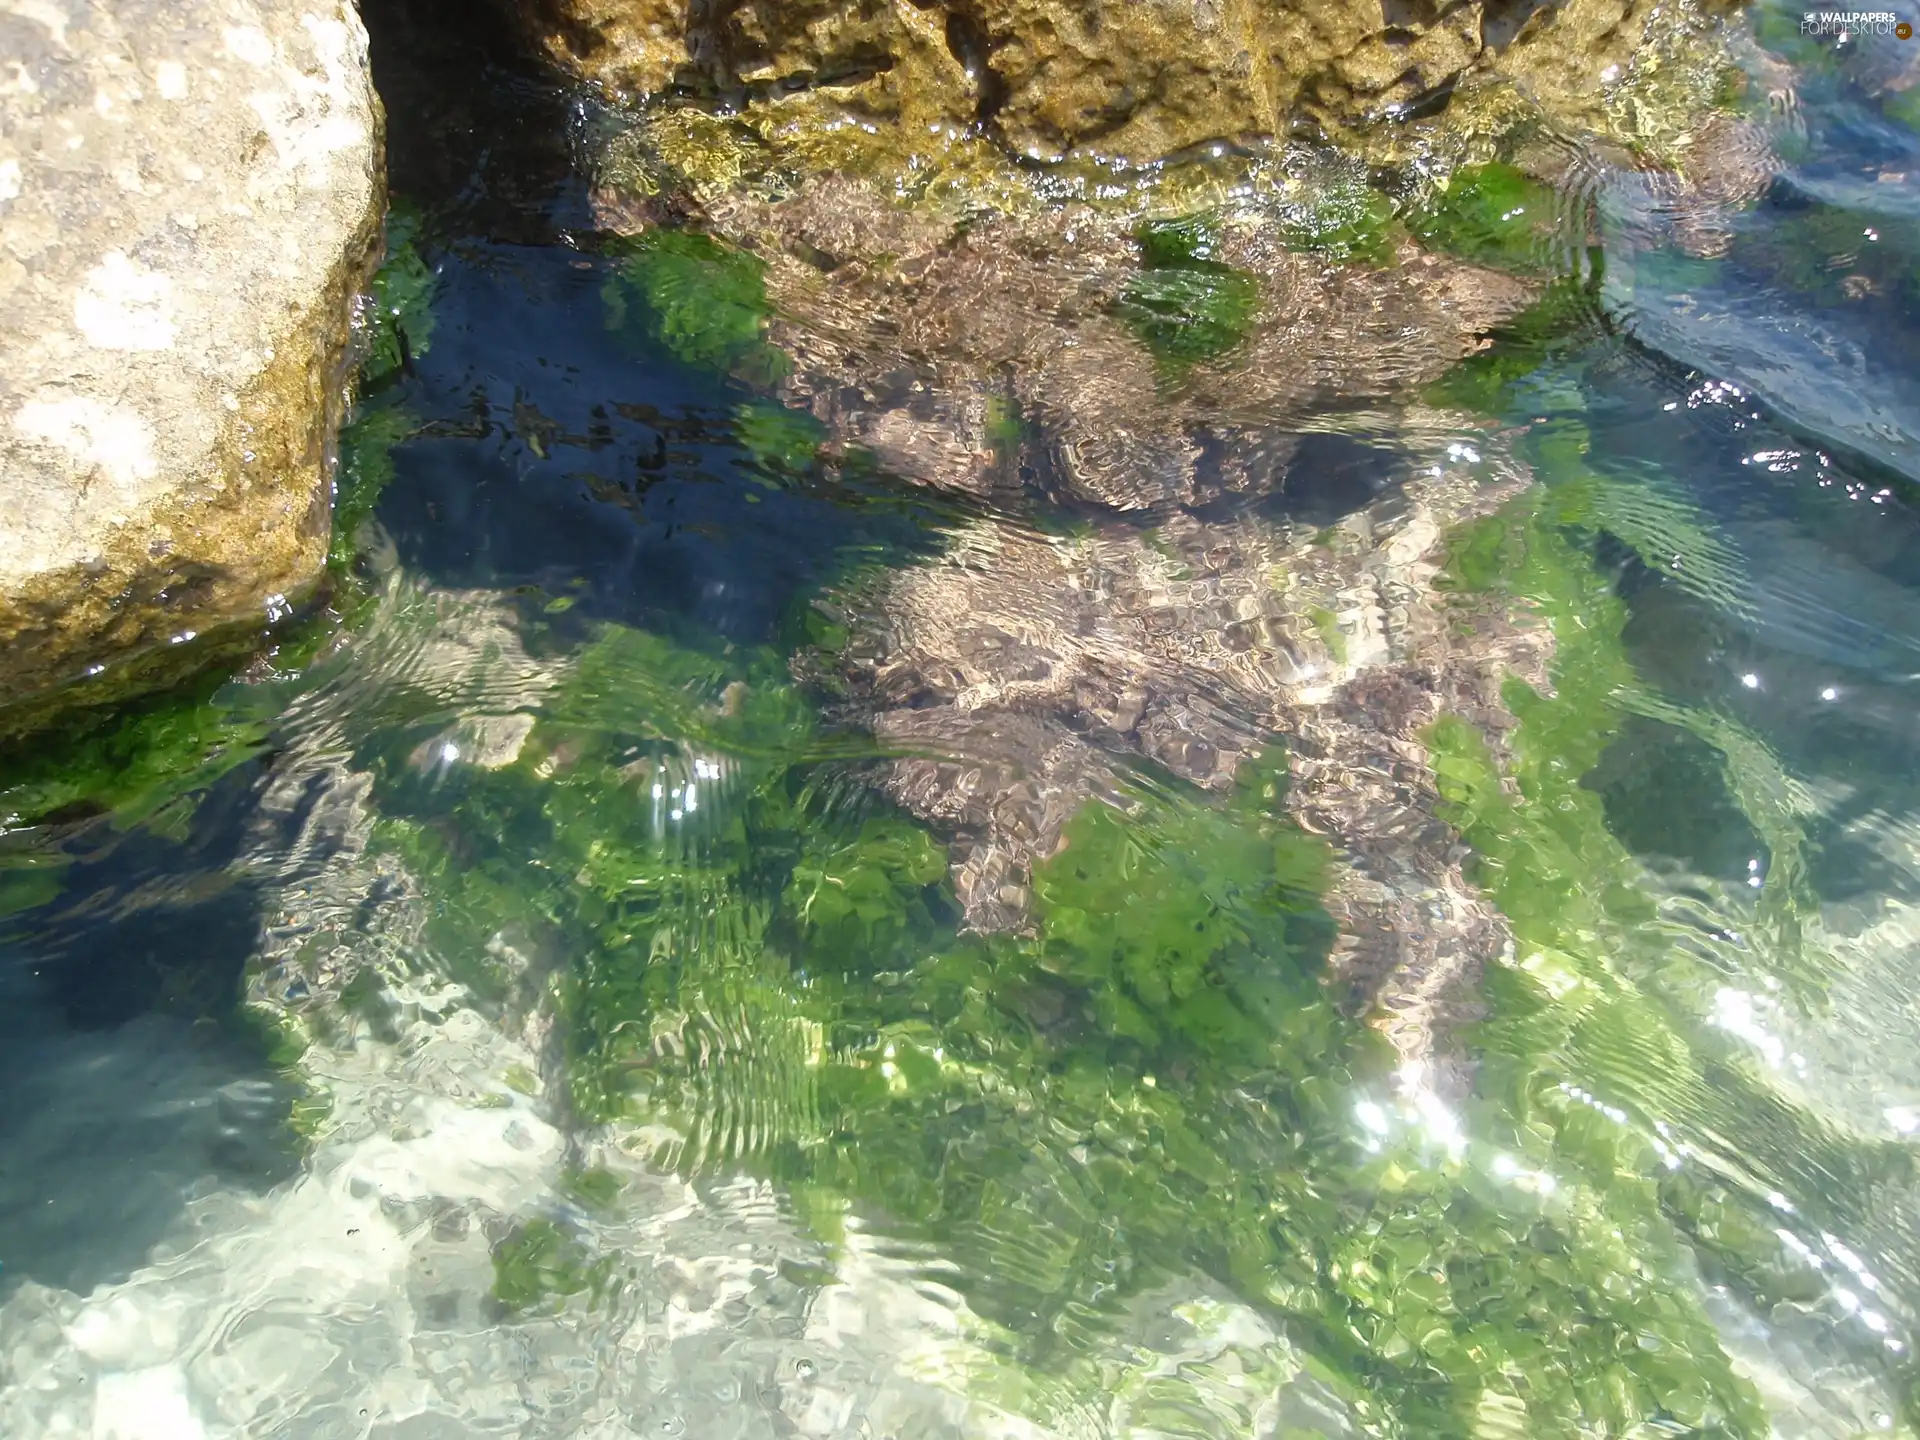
(1135, 79)
(911, 331)
(1020, 675)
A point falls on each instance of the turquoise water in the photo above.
(624, 965)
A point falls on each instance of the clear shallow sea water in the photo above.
(525, 1017)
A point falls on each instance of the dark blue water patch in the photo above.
(105, 1135)
(155, 917)
(1826, 373)
(1666, 797)
(1321, 478)
(126, 1085)
(561, 454)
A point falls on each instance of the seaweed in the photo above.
(366, 469)
(540, 1265)
(768, 974)
(1184, 305)
(780, 442)
(701, 301)
(131, 760)
(1493, 213)
(400, 303)
(400, 323)
(1596, 1033)
(1344, 220)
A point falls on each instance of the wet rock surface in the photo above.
(189, 201)
(1141, 81)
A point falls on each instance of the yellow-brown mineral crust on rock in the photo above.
(1138, 81)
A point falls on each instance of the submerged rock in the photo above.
(1023, 673)
(1207, 375)
(1076, 352)
(1141, 81)
(189, 203)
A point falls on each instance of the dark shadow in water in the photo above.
(561, 455)
(125, 1087)
(477, 133)
(1666, 797)
(1314, 478)
(1333, 476)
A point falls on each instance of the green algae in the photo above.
(1596, 1033)
(1344, 220)
(1190, 314)
(1184, 241)
(132, 761)
(1903, 108)
(780, 442)
(1185, 305)
(703, 302)
(1492, 213)
(366, 469)
(28, 887)
(539, 1266)
(1152, 1082)
(400, 323)
(400, 296)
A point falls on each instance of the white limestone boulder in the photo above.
(190, 198)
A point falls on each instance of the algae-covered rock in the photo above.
(1136, 79)
(1068, 349)
(1023, 674)
(189, 201)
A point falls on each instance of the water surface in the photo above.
(523, 1004)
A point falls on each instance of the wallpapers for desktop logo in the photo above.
(1847, 24)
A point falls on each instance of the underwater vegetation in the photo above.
(756, 964)
(705, 302)
(766, 974)
(1342, 219)
(1493, 213)
(1185, 305)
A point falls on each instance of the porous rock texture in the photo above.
(190, 198)
(1137, 79)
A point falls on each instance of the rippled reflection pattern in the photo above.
(1270, 797)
